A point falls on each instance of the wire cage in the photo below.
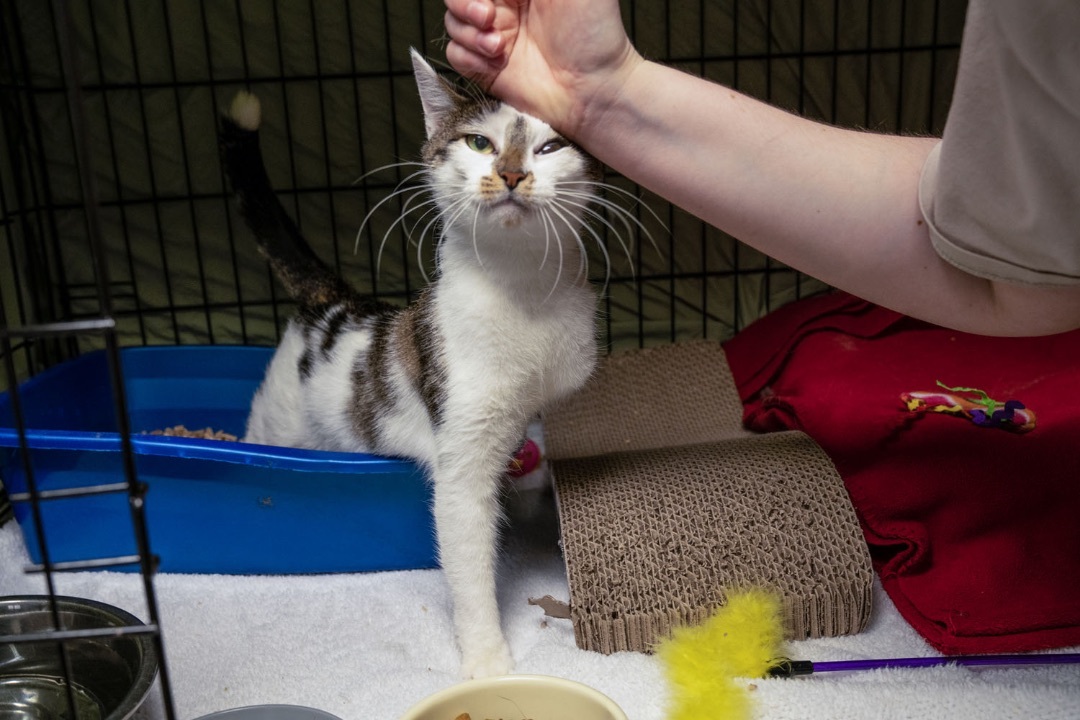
(116, 228)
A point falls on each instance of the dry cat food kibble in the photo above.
(467, 716)
(205, 433)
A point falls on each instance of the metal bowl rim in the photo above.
(147, 670)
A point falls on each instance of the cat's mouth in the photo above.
(510, 208)
(510, 201)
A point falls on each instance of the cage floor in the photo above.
(370, 645)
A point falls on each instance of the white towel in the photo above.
(367, 646)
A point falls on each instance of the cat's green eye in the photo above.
(480, 144)
(551, 146)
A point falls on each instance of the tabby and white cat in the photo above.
(452, 381)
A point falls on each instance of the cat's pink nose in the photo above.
(512, 178)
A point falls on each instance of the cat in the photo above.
(506, 327)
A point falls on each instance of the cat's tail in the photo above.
(304, 275)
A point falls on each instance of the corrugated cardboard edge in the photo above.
(826, 591)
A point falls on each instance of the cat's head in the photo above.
(491, 166)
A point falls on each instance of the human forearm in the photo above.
(838, 204)
(810, 195)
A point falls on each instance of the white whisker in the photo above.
(400, 219)
(621, 191)
(406, 163)
(396, 192)
(546, 220)
(458, 208)
(638, 201)
(601, 219)
(408, 208)
(547, 237)
(624, 215)
(583, 260)
(476, 248)
(603, 250)
(558, 270)
(562, 214)
(420, 262)
(433, 206)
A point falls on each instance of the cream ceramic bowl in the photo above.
(271, 712)
(517, 697)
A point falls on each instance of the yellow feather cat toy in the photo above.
(703, 663)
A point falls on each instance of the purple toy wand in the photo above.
(792, 668)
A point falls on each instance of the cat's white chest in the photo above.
(540, 351)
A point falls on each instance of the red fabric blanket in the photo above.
(975, 531)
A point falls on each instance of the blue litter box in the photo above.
(212, 506)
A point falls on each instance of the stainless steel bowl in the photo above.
(110, 676)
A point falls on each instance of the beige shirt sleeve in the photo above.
(1001, 191)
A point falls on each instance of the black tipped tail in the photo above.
(245, 111)
(305, 277)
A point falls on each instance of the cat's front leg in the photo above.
(467, 516)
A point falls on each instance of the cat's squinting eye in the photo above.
(551, 146)
(480, 144)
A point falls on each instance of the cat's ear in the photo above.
(436, 95)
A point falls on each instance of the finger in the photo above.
(478, 13)
(489, 44)
(476, 67)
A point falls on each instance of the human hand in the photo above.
(561, 60)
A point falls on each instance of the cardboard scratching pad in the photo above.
(666, 502)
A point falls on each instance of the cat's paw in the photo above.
(487, 662)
